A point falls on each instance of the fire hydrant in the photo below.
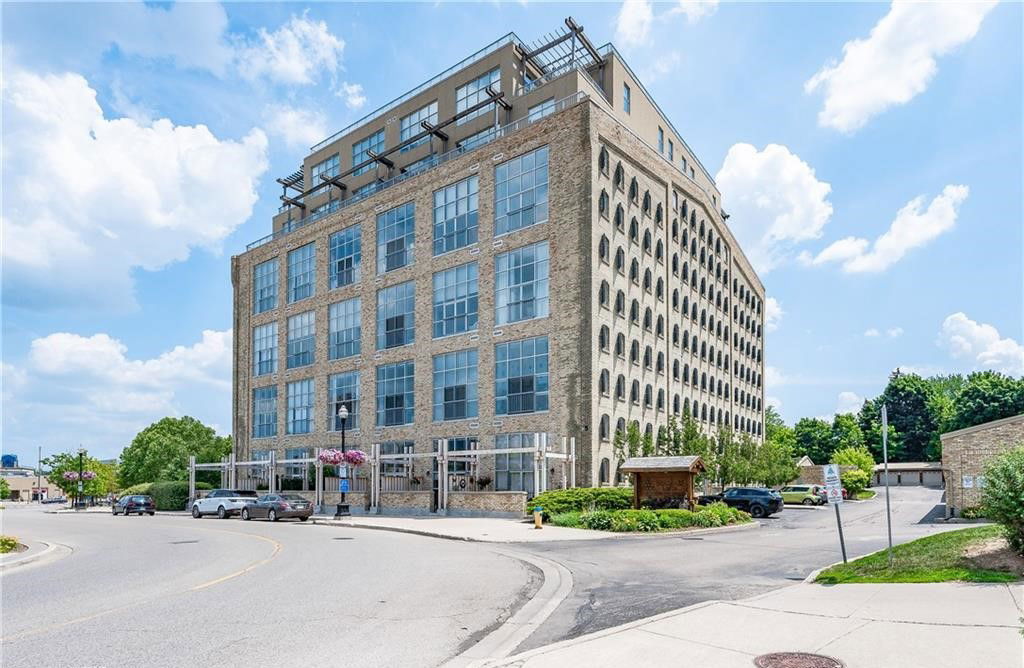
(538, 517)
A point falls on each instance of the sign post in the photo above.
(834, 491)
(885, 465)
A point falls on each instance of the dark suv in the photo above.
(135, 503)
(758, 501)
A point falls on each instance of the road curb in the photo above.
(502, 641)
(5, 565)
(415, 532)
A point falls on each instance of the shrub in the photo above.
(581, 499)
(1003, 495)
(170, 495)
(600, 520)
(566, 520)
(674, 518)
(858, 456)
(8, 544)
(972, 512)
(635, 520)
(855, 481)
(141, 488)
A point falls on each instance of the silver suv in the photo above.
(223, 502)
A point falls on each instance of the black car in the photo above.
(758, 501)
(278, 506)
(136, 503)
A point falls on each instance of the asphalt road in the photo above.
(623, 579)
(174, 591)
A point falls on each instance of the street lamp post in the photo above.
(81, 470)
(343, 506)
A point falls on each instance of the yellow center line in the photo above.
(52, 627)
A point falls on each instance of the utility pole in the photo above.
(39, 475)
(885, 464)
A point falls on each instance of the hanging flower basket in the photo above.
(70, 475)
(354, 457)
(88, 475)
(331, 457)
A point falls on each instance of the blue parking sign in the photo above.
(344, 484)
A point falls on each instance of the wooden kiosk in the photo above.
(664, 482)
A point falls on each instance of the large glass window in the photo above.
(395, 235)
(345, 328)
(300, 407)
(395, 397)
(330, 168)
(521, 192)
(540, 110)
(409, 126)
(301, 339)
(458, 444)
(521, 376)
(375, 143)
(346, 248)
(395, 315)
(264, 412)
(264, 286)
(296, 470)
(343, 390)
(475, 92)
(264, 349)
(456, 300)
(478, 139)
(455, 385)
(455, 215)
(301, 270)
(396, 467)
(521, 283)
(514, 472)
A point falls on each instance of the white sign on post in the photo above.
(833, 486)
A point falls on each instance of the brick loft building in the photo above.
(522, 245)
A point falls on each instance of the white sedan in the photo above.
(223, 502)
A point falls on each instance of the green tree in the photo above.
(986, 396)
(692, 441)
(858, 456)
(65, 462)
(870, 420)
(846, 432)
(630, 444)
(5, 489)
(813, 438)
(773, 423)
(161, 451)
(647, 446)
(908, 399)
(774, 463)
(1003, 495)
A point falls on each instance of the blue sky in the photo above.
(869, 155)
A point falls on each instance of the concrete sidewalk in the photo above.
(864, 625)
(496, 530)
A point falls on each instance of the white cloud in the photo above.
(695, 10)
(911, 229)
(774, 200)
(773, 377)
(300, 128)
(86, 389)
(848, 402)
(896, 62)
(633, 23)
(872, 333)
(894, 332)
(774, 402)
(772, 314)
(109, 196)
(191, 34)
(981, 345)
(663, 64)
(352, 94)
(292, 54)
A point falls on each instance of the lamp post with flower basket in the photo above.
(80, 476)
(334, 457)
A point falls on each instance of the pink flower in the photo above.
(355, 457)
(331, 456)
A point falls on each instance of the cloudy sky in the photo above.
(869, 155)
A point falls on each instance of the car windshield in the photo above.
(140, 499)
(245, 492)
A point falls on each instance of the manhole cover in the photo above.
(796, 660)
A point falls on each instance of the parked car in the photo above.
(135, 503)
(54, 499)
(808, 495)
(758, 501)
(223, 502)
(278, 506)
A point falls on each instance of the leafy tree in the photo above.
(1003, 495)
(908, 399)
(647, 446)
(161, 451)
(855, 456)
(846, 432)
(64, 462)
(855, 481)
(813, 438)
(986, 396)
(630, 444)
(774, 464)
(5, 489)
(870, 421)
(773, 423)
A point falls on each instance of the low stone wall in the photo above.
(487, 504)
(815, 475)
(405, 503)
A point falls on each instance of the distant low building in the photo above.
(910, 474)
(27, 486)
(966, 453)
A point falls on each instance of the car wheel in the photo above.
(195, 512)
(757, 511)
(245, 514)
(151, 513)
(221, 513)
(113, 511)
(808, 502)
(272, 515)
(303, 519)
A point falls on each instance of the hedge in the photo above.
(167, 495)
(1003, 495)
(629, 520)
(581, 499)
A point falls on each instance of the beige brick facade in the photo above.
(967, 452)
(720, 349)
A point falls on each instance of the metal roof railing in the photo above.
(465, 62)
(497, 133)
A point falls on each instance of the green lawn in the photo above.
(866, 494)
(937, 558)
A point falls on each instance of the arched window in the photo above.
(686, 406)
(648, 396)
(659, 291)
(620, 217)
(693, 250)
(634, 312)
(675, 369)
(675, 335)
(660, 329)
(620, 260)
(602, 161)
(704, 413)
(620, 426)
(659, 251)
(602, 338)
(620, 177)
(647, 203)
(675, 264)
(634, 271)
(693, 220)
(620, 387)
(620, 303)
(603, 249)
(604, 382)
(647, 241)
(603, 203)
(620, 345)
(675, 299)
(660, 365)
(686, 372)
(686, 272)
(702, 230)
(603, 294)
(648, 357)
(675, 404)
(684, 211)
(634, 231)
(634, 190)
(704, 382)
(686, 340)
(634, 352)
(649, 429)
(696, 408)
(604, 472)
(634, 392)
(659, 214)
(605, 427)
(648, 318)
(661, 400)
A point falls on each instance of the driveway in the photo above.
(620, 580)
